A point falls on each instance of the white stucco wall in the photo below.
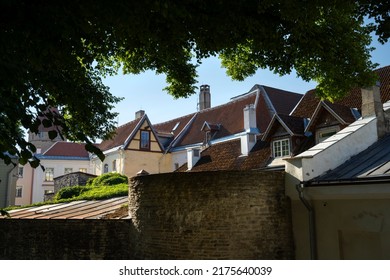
(334, 151)
(40, 186)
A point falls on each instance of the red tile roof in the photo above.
(173, 127)
(283, 101)
(67, 149)
(227, 156)
(121, 135)
(353, 99)
(230, 118)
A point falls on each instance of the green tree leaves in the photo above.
(53, 54)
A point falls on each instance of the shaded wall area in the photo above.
(211, 215)
(65, 239)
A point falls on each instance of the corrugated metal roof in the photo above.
(82, 209)
(374, 162)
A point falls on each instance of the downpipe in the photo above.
(312, 229)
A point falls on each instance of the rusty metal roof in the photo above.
(82, 209)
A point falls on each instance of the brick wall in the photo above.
(211, 215)
(65, 239)
(208, 215)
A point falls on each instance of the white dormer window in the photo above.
(281, 148)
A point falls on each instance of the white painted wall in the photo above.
(39, 185)
(334, 151)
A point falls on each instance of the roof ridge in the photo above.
(282, 90)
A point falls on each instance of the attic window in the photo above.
(281, 148)
(145, 140)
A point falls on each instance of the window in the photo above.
(145, 140)
(84, 170)
(19, 190)
(68, 170)
(105, 169)
(281, 148)
(324, 133)
(196, 153)
(114, 165)
(49, 174)
(20, 172)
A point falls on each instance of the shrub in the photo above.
(69, 192)
(109, 179)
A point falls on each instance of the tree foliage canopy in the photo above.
(53, 54)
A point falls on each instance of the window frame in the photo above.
(142, 140)
(20, 171)
(19, 192)
(105, 168)
(281, 152)
(49, 178)
(114, 165)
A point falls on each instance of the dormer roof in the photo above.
(341, 113)
(294, 126)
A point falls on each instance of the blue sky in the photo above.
(145, 91)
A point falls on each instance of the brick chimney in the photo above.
(204, 97)
(372, 106)
(139, 114)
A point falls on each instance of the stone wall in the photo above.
(65, 239)
(211, 215)
(71, 179)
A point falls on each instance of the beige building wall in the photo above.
(347, 226)
(25, 182)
